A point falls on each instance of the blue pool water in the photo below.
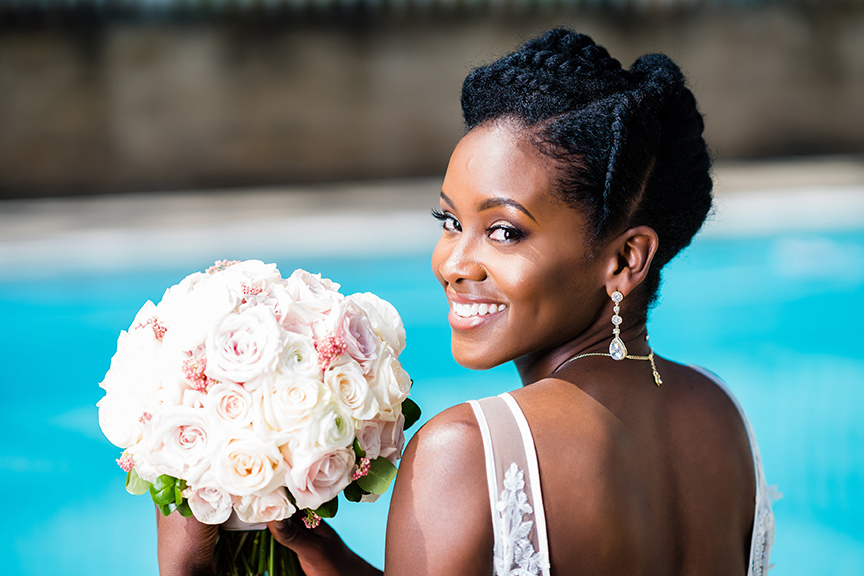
(778, 317)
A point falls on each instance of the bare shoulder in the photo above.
(440, 515)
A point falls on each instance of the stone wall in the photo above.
(132, 105)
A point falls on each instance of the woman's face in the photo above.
(513, 258)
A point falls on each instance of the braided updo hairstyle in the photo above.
(628, 143)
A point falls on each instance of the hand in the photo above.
(185, 546)
(320, 550)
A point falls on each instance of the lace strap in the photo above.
(518, 519)
(763, 516)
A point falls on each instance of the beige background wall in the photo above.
(145, 106)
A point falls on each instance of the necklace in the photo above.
(649, 357)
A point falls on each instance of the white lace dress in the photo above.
(513, 478)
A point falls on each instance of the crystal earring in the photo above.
(617, 349)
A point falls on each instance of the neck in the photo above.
(542, 364)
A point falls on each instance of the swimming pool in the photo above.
(775, 315)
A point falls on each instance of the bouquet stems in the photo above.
(254, 553)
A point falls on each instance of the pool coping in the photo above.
(383, 217)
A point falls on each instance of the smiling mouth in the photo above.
(471, 310)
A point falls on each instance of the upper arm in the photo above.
(440, 520)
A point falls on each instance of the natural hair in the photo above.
(627, 143)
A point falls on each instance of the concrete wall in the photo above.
(160, 105)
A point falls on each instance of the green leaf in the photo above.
(184, 509)
(358, 450)
(328, 509)
(381, 474)
(135, 485)
(353, 492)
(162, 490)
(411, 411)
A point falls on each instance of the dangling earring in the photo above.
(617, 349)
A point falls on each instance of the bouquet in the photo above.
(245, 394)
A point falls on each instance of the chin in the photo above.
(473, 358)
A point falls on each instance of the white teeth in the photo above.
(468, 310)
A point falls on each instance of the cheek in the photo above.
(439, 255)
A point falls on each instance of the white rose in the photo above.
(251, 273)
(331, 427)
(299, 319)
(312, 483)
(242, 347)
(210, 505)
(188, 316)
(288, 404)
(384, 318)
(312, 291)
(350, 388)
(390, 384)
(131, 369)
(267, 508)
(143, 461)
(119, 414)
(349, 322)
(245, 466)
(298, 357)
(178, 441)
(230, 404)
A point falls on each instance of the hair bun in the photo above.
(658, 75)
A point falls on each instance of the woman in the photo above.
(576, 182)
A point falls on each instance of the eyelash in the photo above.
(445, 218)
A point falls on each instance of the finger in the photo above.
(184, 544)
(291, 533)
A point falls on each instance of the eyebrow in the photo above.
(494, 203)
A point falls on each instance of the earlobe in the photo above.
(635, 250)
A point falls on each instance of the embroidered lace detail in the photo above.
(514, 554)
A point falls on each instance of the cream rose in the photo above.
(243, 347)
(384, 318)
(210, 505)
(314, 482)
(267, 508)
(230, 404)
(391, 385)
(350, 388)
(246, 466)
(289, 403)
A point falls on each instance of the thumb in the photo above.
(318, 549)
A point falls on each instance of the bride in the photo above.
(576, 182)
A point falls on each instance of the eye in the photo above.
(504, 233)
(448, 221)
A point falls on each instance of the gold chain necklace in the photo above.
(649, 357)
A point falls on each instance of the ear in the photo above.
(630, 259)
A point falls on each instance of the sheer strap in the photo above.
(763, 516)
(513, 477)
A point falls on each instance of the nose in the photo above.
(458, 259)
